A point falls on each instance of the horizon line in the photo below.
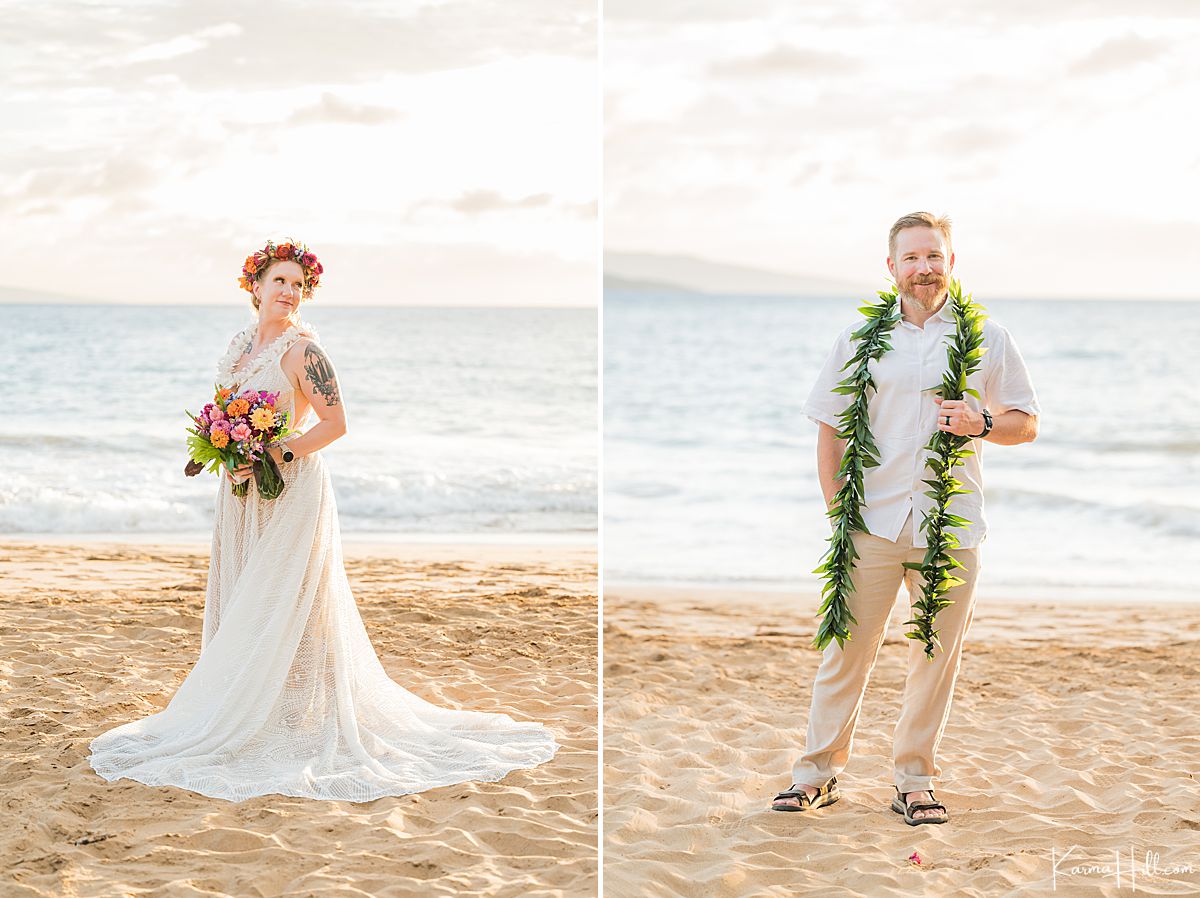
(668, 289)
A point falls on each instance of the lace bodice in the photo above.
(263, 371)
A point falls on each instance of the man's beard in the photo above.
(925, 291)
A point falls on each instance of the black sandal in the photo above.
(901, 807)
(826, 795)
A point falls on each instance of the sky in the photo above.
(789, 136)
(430, 153)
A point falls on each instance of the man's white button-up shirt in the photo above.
(904, 416)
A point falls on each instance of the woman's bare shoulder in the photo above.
(301, 349)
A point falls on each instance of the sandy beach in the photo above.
(1084, 712)
(99, 633)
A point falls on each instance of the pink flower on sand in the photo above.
(216, 414)
(241, 432)
(914, 859)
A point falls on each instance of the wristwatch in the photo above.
(288, 454)
(987, 426)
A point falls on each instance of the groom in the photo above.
(903, 415)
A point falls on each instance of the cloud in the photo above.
(331, 109)
(975, 139)
(1119, 53)
(182, 45)
(475, 202)
(686, 11)
(786, 61)
(277, 44)
(108, 178)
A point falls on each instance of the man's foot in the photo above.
(802, 797)
(910, 805)
(810, 791)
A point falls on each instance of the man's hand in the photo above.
(964, 420)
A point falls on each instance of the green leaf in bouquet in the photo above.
(269, 477)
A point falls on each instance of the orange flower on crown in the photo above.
(292, 251)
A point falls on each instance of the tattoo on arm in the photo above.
(320, 374)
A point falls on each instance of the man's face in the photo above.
(921, 265)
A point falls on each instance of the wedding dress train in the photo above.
(288, 696)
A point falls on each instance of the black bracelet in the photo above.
(987, 426)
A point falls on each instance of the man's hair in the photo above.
(919, 220)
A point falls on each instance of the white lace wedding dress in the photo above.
(288, 696)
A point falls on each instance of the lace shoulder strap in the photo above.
(237, 347)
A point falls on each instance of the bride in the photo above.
(288, 696)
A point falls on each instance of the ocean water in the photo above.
(710, 471)
(462, 421)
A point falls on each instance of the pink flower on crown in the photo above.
(241, 431)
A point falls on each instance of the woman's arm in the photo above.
(311, 372)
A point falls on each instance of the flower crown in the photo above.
(291, 251)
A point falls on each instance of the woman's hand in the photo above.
(242, 474)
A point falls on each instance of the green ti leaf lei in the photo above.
(964, 354)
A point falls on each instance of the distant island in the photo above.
(687, 274)
(29, 296)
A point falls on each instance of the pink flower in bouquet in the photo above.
(241, 431)
(221, 427)
(216, 414)
(250, 396)
(202, 420)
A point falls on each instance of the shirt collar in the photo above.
(945, 312)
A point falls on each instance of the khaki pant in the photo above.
(842, 677)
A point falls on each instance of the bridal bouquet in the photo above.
(234, 430)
